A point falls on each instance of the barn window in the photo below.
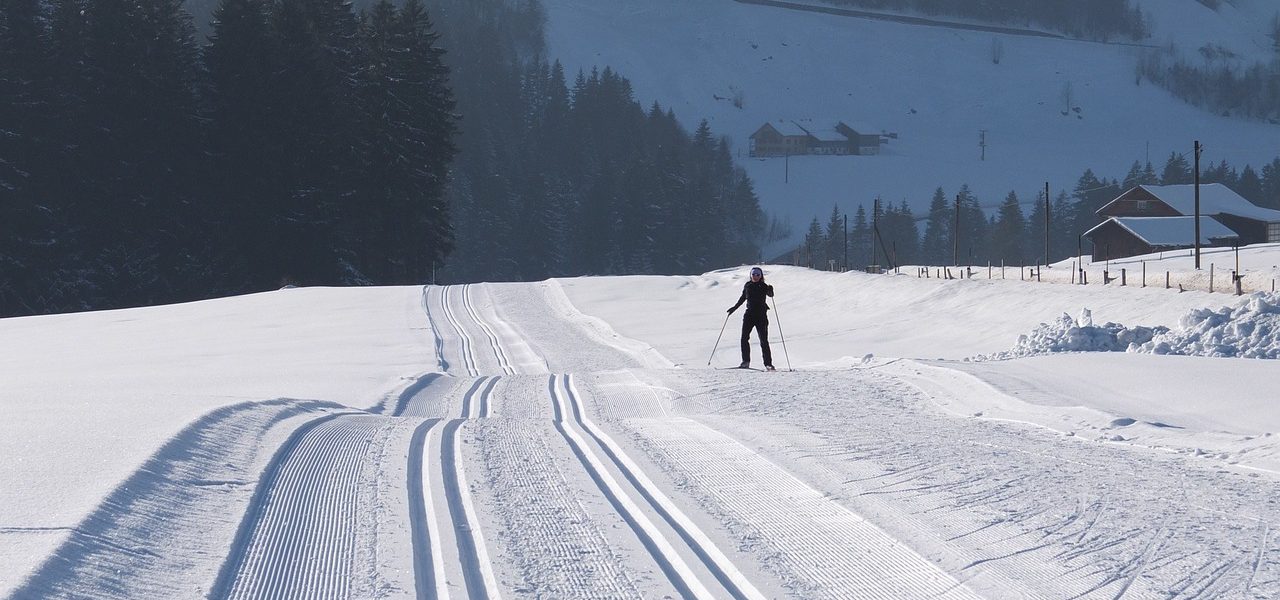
(1273, 232)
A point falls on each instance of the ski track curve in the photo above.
(300, 540)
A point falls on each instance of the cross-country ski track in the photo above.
(543, 456)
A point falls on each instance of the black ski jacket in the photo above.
(753, 294)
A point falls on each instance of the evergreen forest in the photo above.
(1011, 229)
(301, 142)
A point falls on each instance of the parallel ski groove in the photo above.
(300, 545)
(435, 329)
(427, 560)
(503, 362)
(468, 355)
(477, 571)
(733, 580)
(563, 552)
(650, 536)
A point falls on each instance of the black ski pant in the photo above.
(760, 322)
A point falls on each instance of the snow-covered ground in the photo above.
(936, 87)
(578, 438)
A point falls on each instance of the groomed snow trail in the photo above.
(552, 458)
(302, 531)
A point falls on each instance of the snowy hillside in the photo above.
(936, 87)
(571, 438)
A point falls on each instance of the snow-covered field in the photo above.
(568, 439)
(936, 87)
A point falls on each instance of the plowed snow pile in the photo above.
(1250, 329)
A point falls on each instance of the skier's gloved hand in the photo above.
(770, 288)
(730, 311)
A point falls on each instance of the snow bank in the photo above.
(1066, 334)
(1249, 329)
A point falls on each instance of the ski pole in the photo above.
(713, 348)
(782, 336)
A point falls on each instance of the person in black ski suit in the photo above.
(753, 293)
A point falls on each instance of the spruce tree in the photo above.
(246, 144)
(935, 247)
(1007, 241)
(834, 238)
(813, 245)
(139, 137)
(1176, 170)
(318, 60)
(860, 240)
(406, 141)
(1271, 185)
(1250, 185)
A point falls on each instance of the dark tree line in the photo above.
(1088, 19)
(567, 174)
(304, 143)
(1218, 84)
(1012, 229)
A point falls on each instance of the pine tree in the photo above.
(1176, 170)
(1271, 185)
(25, 228)
(974, 236)
(407, 147)
(1007, 243)
(833, 249)
(813, 245)
(935, 248)
(860, 239)
(902, 239)
(1033, 233)
(318, 58)
(1134, 177)
(241, 61)
(1250, 185)
(1063, 240)
(138, 137)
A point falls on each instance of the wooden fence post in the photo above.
(1210, 278)
(1144, 273)
(1123, 280)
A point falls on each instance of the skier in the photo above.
(753, 293)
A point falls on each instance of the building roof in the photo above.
(828, 134)
(1171, 231)
(1215, 199)
(789, 128)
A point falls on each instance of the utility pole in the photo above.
(955, 237)
(982, 142)
(1046, 223)
(1199, 149)
(786, 172)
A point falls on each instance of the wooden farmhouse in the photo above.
(787, 138)
(1153, 218)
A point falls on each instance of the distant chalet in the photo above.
(1154, 218)
(786, 138)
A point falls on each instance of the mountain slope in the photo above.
(938, 88)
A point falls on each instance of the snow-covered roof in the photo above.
(862, 128)
(788, 128)
(1215, 199)
(828, 134)
(1171, 231)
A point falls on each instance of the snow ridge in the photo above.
(1249, 329)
